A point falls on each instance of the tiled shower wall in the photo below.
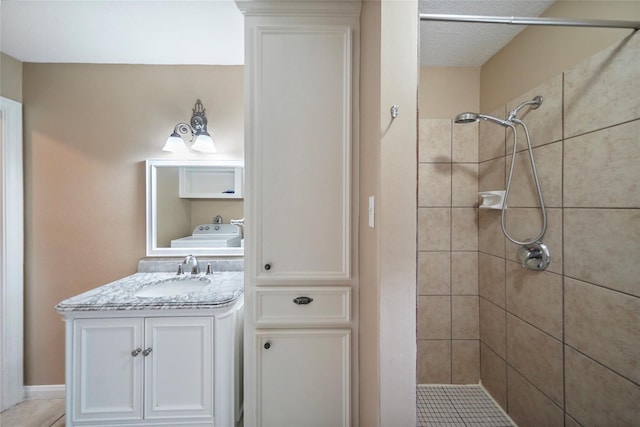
(563, 345)
(559, 347)
(448, 328)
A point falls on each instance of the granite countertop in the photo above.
(225, 288)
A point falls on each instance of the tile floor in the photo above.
(437, 405)
(459, 406)
(35, 413)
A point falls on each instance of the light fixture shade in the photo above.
(175, 144)
(204, 143)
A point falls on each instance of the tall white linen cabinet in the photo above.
(301, 153)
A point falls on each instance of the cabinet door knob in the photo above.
(267, 345)
(146, 352)
(136, 352)
(267, 267)
(303, 300)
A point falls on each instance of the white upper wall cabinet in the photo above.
(299, 148)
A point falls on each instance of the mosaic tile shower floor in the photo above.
(459, 406)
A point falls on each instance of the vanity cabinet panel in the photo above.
(303, 306)
(299, 150)
(304, 377)
(179, 370)
(108, 379)
(142, 370)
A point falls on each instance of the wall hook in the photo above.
(394, 111)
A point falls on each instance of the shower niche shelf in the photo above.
(491, 199)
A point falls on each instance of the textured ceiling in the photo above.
(470, 44)
(211, 31)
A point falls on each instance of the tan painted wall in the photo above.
(88, 130)
(448, 91)
(10, 77)
(539, 53)
(397, 217)
(368, 245)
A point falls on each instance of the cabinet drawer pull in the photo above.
(146, 352)
(267, 345)
(267, 267)
(136, 352)
(303, 300)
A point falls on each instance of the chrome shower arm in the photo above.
(535, 103)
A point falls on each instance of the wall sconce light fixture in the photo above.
(200, 138)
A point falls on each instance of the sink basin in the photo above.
(173, 287)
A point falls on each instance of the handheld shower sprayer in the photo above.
(474, 117)
(533, 254)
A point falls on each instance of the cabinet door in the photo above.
(299, 151)
(107, 376)
(304, 378)
(179, 367)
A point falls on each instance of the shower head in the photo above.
(466, 118)
(474, 117)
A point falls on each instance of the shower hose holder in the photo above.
(534, 256)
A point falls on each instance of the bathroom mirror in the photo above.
(190, 204)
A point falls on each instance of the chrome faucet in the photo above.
(192, 262)
(217, 219)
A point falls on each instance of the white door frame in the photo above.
(11, 257)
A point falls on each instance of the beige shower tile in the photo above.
(528, 407)
(465, 143)
(526, 223)
(491, 137)
(465, 361)
(601, 169)
(570, 422)
(434, 184)
(604, 89)
(434, 229)
(491, 175)
(465, 317)
(601, 246)
(523, 192)
(434, 362)
(434, 317)
(537, 356)
(493, 374)
(464, 273)
(434, 140)
(434, 272)
(545, 122)
(493, 328)
(464, 229)
(604, 325)
(597, 396)
(491, 278)
(464, 184)
(535, 296)
(490, 237)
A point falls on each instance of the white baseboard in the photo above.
(56, 391)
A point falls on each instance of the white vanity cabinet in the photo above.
(151, 370)
(299, 93)
(303, 351)
(304, 377)
(301, 86)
